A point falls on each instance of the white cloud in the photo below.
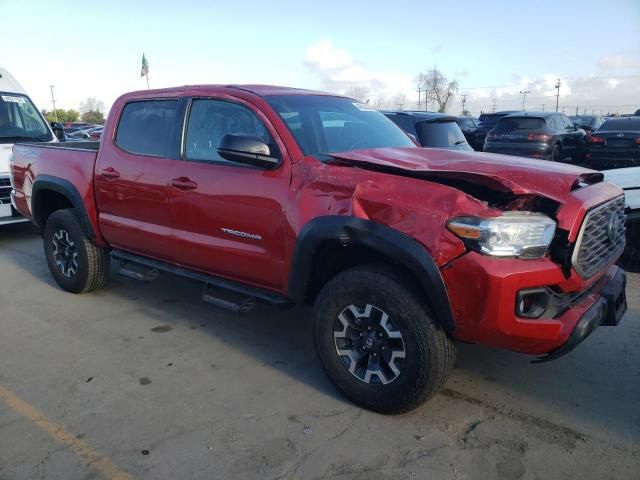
(338, 70)
(324, 56)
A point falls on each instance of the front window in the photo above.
(325, 125)
(21, 121)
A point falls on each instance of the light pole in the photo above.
(524, 95)
(55, 113)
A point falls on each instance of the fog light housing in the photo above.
(532, 303)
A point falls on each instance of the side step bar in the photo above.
(223, 293)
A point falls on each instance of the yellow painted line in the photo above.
(92, 458)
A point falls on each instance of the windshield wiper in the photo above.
(459, 142)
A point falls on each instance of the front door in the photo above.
(228, 218)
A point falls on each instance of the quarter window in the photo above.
(148, 128)
(210, 120)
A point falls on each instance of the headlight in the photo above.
(513, 234)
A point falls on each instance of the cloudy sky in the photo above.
(495, 49)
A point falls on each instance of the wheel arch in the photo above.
(330, 244)
(51, 193)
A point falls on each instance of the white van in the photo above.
(20, 121)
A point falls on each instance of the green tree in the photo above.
(92, 111)
(63, 115)
(93, 116)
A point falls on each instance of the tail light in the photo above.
(637, 142)
(595, 140)
(538, 137)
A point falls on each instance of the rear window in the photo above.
(509, 124)
(621, 125)
(147, 128)
(440, 134)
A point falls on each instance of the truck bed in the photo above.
(70, 165)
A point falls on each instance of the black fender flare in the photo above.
(391, 243)
(64, 187)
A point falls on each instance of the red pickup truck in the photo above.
(292, 196)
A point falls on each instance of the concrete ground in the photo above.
(145, 381)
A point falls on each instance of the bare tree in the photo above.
(91, 104)
(380, 102)
(399, 100)
(359, 92)
(437, 87)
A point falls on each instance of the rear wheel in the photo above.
(75, 262)
(378, 342)
(556, 153)
(630, 259)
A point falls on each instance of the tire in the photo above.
(423, 356)
(556, 153)
(75, 262)
(630, 259)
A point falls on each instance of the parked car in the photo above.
(588, 123)
(468, 125)
(20, 121)
(616, 144)
(486, 122)
(629, 180)
(96, 133)
(546, 135)
(637, 113)
(292, 196)
(436, 130)
(75, 126)
(92, 133)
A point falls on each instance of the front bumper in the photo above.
(483, 292)
(607, 311)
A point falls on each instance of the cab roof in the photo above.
(10, 84)
(260, 90)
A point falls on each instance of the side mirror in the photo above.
(247, 149)
(58, 130)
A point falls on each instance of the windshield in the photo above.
(20, 120)
(490, 119)
(582, 120)
(324, 125)
(443, 134)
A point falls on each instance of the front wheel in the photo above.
(75, 262)
(378, 342)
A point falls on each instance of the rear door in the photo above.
(133, 175)
(228, 218)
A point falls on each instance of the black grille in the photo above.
(601, 239)
(5, 191)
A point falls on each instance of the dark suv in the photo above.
(468, 125)
(436, 130)
(588, 123)
(486, 122)
(547, 135)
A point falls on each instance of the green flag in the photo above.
(145, 67)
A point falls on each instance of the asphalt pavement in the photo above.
(146, 381)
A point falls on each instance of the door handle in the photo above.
(110, 173)
(184, 183)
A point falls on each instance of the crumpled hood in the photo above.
(521, 176)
